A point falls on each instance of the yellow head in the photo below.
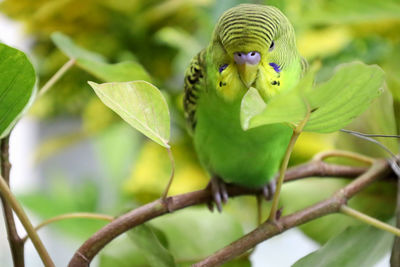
(252, 46)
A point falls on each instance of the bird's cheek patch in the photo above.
(228, 84)
(269, 82)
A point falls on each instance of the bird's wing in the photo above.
(194, 83)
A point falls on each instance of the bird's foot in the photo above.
(219, 193)
(267, 193)
(268, 190)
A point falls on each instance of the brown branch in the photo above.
(94, 244)
(270, 229)
(15, 242)
(322, 169)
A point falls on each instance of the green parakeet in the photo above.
(252, 46)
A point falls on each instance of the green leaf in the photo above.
(73, 51)
(140, 104)
(252, 105)
(254, 111)
(378, 118)
(57, 200)
(195, 233)
(120, 72)
(345, 96)
(122, 253)
(335, 103)
(96, 64)
(17, 86)
(356, 246)
(146, 240)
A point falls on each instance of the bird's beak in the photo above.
(248, 73)
(247, 64)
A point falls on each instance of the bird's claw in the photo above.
(219, 193)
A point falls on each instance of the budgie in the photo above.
(252, 46)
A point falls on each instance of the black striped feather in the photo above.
(194, 78)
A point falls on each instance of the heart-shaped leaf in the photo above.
(254, 111)
(140, 104)
(334, 103)
(192, 238)
(96, 64)
(17, 86)
(145, 239)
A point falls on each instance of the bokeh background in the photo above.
(71, 153)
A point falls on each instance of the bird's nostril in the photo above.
(239, 54)
(252, 54)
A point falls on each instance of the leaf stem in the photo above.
(171, 178)
(345, 154)
(10, 198)
(75, 215)
(57, 76)
(369, 220)
(296, 133)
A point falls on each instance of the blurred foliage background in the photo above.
(163, 36)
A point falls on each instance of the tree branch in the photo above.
(15, 242)
(94, 244)
(269, 229)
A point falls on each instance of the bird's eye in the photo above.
(222, 67)
(272, 46)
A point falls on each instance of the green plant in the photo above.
(154, 41)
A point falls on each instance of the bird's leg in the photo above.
(267, 193)
(268, 190)
(259, 209)
(219, 193)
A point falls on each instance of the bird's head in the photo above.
(252, 45)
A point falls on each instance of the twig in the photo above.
(76, 215)
(366, 137)
(345, 154)
(10, 198)
(372, 135)
(56, 76)
(171, 178)
(270, 229)
(393, 160)
(296, 133)
(15, 242)
(84, 255)
(369, 220)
